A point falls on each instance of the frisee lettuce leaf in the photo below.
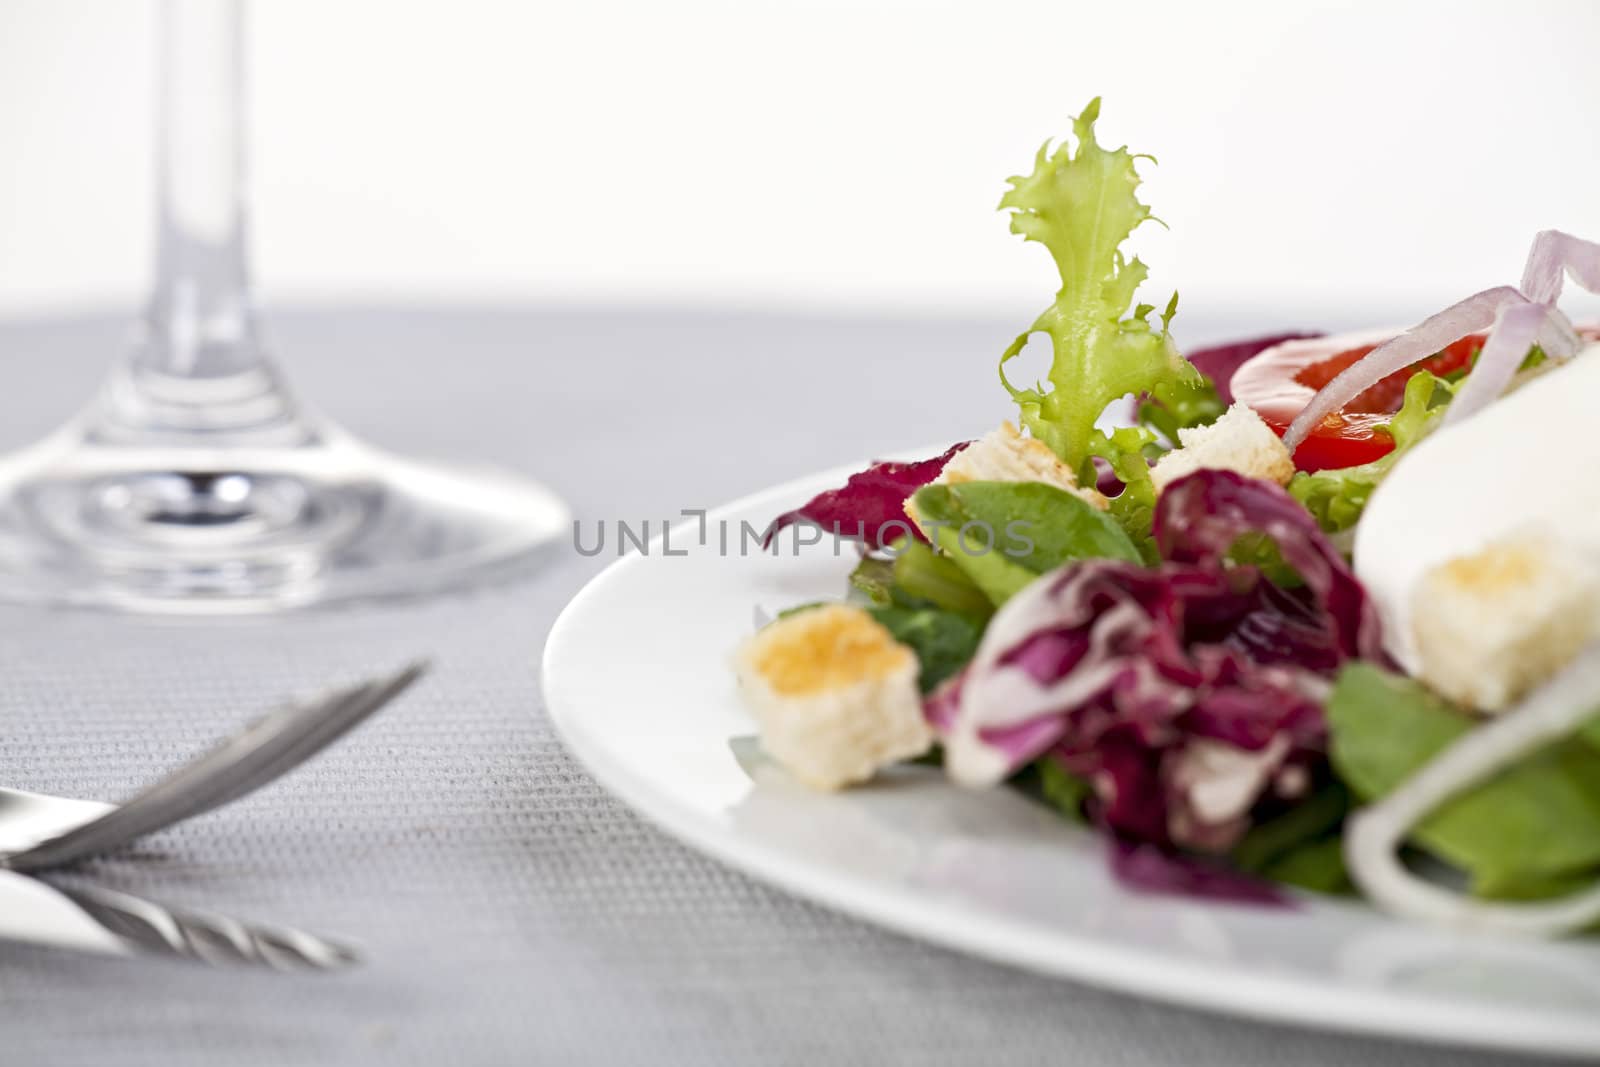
(1336, 497)
(1082, 204)
(1175, 406)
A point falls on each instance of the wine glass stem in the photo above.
(199, 371)
(200, 319)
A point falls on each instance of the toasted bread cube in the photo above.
(1238, 441)
(1492, 625)
(1004, 455)
(835, 695)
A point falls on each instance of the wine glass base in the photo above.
(181, 530)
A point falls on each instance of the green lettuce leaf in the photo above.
(943, 640)
(1060, 788)
(1336, 498)
(924, 578)
(1082, 205)
(873, 578)
(1317, 866)
(1314, 818)
(1003, 535)
(1530, 825)
(1175, 406)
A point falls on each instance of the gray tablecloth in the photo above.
(513, 912)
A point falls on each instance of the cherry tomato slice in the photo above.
(1279, 382)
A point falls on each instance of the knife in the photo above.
(108, 922)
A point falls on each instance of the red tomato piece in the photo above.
(1281, 381)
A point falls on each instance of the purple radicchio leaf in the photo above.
(1149, 869)
(870, 506)
(1185, 694)
(1221, 362)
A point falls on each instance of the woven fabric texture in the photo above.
(511, 911)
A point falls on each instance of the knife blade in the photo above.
(29, 818)
(108, 922)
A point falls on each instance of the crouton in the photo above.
(1004, 455)
(1238, 441)
(1492, 625)
(835, 695)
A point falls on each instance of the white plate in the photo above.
(637, 680)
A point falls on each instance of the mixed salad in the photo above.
(1321, 613)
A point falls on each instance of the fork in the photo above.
(258, 754)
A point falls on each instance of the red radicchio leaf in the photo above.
(1220, 362)
(870, 506)
(1155, 682)
(1152, 870)
(1199, 518)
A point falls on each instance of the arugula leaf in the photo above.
(798, 608)
(943, 640)
(922, 576)
(1317, 866)
(1315, 817)
(1534, 822)
(1003, 535)
(1337, 497)
(874, 579)
(1081, 205)
(1060, 788)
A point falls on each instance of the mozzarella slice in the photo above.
(1531, 461)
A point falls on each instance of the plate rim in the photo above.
(1131, 970)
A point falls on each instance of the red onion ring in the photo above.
(1515, 331)
(1553, 255)
(1519, 317)
(1373, 835)
(1475, 313)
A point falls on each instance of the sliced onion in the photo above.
(1558, 337)
(1553, 255)
(1475, 313)
(1374, 835)
(1515, 330)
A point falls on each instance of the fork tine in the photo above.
(262, 752)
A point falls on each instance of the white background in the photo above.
(820, 155)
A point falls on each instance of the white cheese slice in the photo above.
(1529, 461)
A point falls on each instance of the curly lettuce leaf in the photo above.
(1175, 406)
(1336, 497)
(1082, 205)
(1129, 450)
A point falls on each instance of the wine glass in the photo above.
(195, 482)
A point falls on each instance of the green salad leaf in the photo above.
(1060, 788)
(873, 578)
(1337, 497)
(1180, 405)
(1003, 535)
(1082, 204)
(1301, 846)
(1530, 825)
(1317, 865)
(922, 576)
(1318, 816)
(944, 641)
